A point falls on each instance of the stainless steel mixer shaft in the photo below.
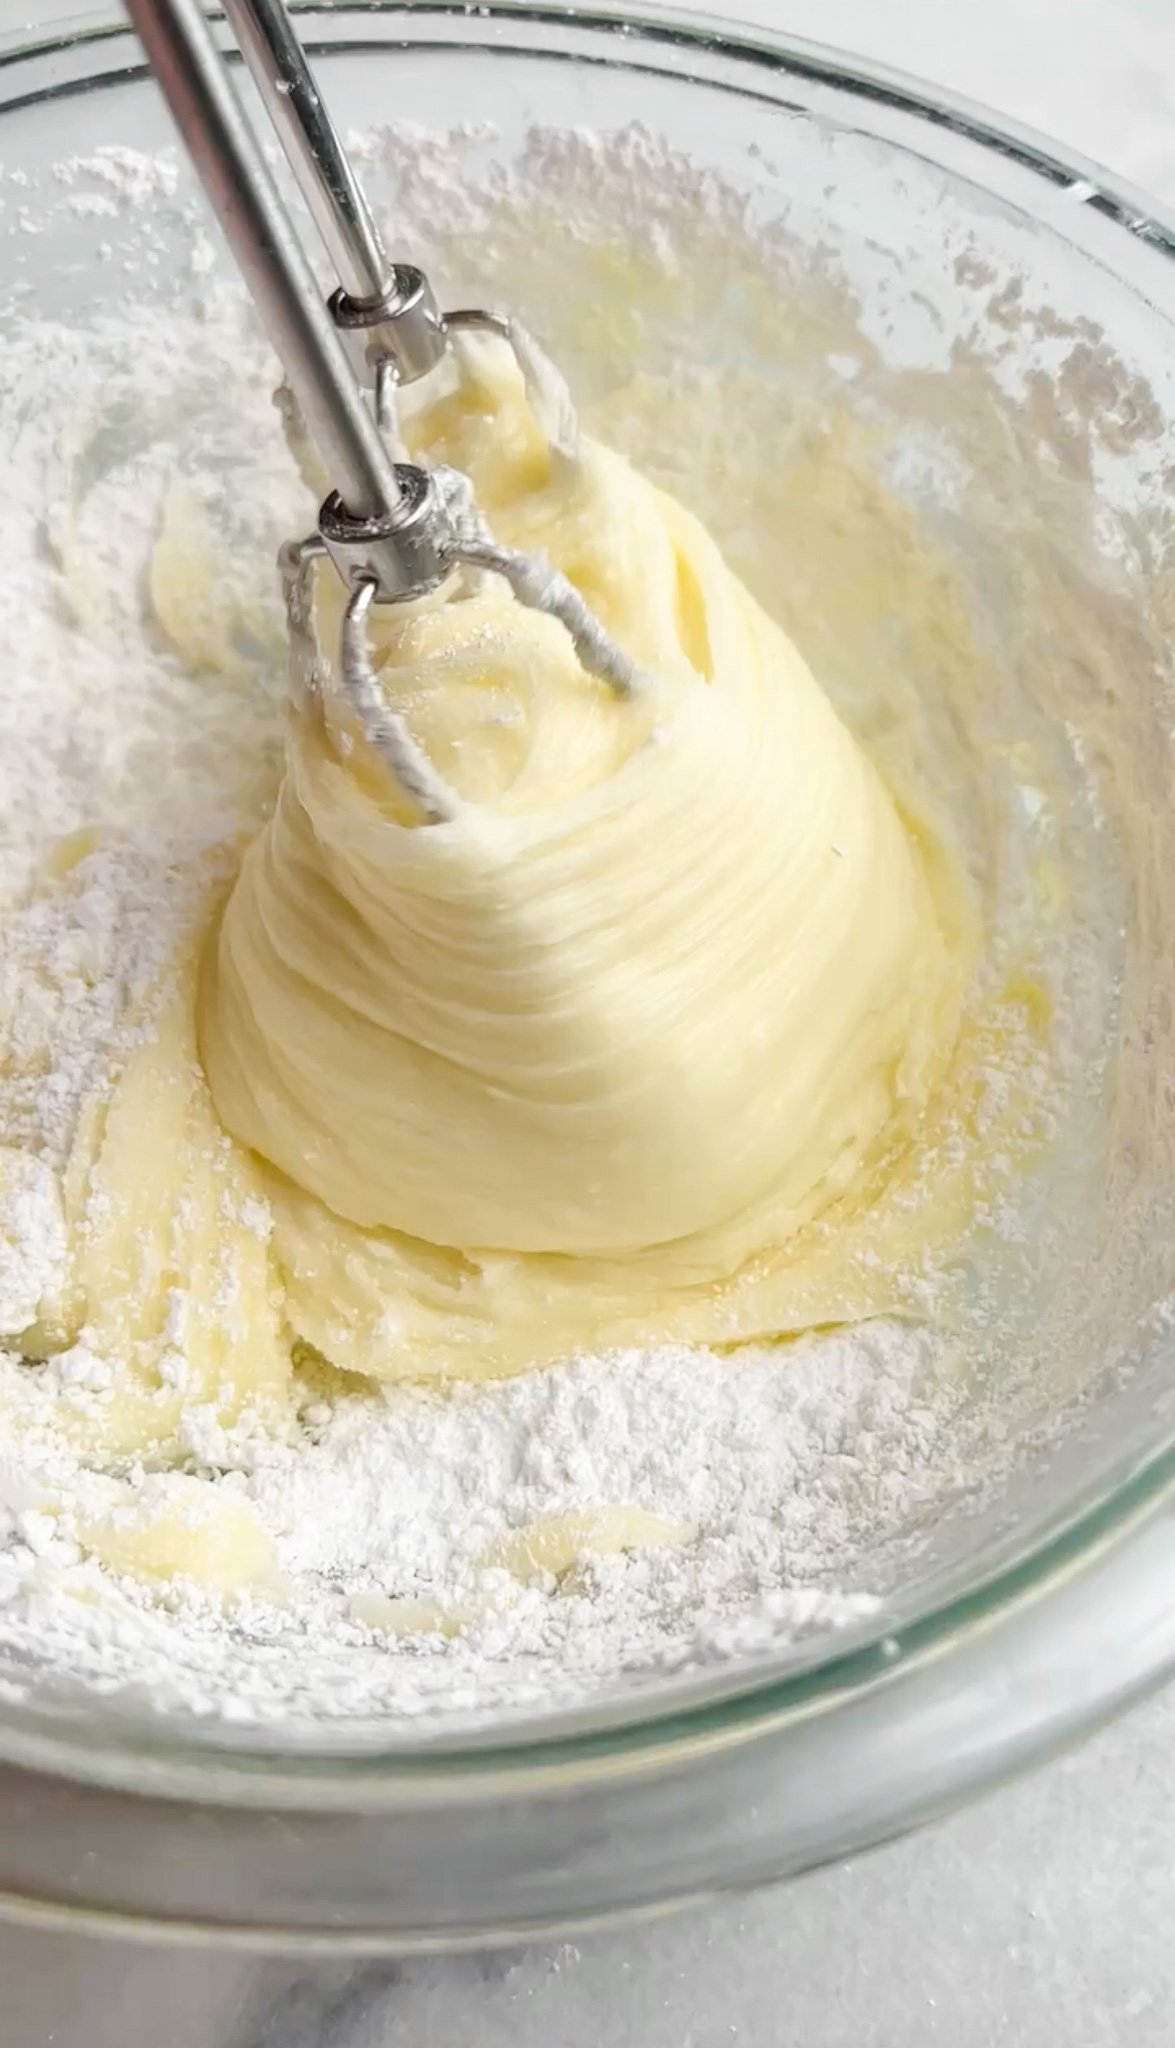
(386, 311)
(332, 192)
(195, 82)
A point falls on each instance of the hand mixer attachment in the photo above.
(395, 531)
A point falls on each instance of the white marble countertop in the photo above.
(1040, 1918)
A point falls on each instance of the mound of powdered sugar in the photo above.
(786, 1470)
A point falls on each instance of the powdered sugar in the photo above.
(32, 1238)
(76, 966)
(133, 177)
(784, 1466)
(409, 1496)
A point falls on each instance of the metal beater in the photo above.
(395, 531)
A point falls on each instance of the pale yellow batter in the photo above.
(664, 988)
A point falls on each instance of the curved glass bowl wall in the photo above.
(1025, 1622)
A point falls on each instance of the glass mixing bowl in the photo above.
(1010, 303)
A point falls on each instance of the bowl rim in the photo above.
(735, 1705)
